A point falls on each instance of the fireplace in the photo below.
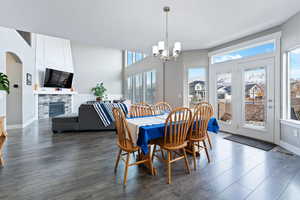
(56, 108)
(60, 104)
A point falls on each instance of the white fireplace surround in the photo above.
(65, 94)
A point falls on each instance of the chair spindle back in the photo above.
(177, 126)
(124, 136)
(200, 120)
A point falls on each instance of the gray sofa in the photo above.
(86, 120)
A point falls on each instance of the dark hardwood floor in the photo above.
(42, 165)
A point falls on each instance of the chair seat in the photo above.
(195, 138)
(129, 147)
(170, 147)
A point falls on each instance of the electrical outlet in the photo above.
(295, 133)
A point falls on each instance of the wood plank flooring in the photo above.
(42, 165)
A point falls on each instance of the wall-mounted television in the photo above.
(58, 79)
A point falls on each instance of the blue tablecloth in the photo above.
(147, 133)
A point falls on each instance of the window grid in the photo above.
(141, 87)
(133, 57)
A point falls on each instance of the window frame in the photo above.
(244, 47)
(286, 85)
(186, 82)
(133, 77)
(143, 56)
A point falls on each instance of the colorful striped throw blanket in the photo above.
(105, 113)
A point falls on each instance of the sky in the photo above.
(197, 74)
(295, 65)
(265, 48)
(256, 75)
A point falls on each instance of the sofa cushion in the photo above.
(72, 118)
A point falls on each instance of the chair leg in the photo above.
(118, 159)
(209, 141)
(186, 161)
(194, 155)
(126, 168)
(1, 161)
(162, 154)
(206, 151)
(169, 168)
(153, 153)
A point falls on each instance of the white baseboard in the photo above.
(28, 122)
(292, 148)
(17, 126)
(14, 126)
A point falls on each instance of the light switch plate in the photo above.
(295, 133)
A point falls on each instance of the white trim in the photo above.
(291, 123)
(276, 55)
(277, 92)
(18, 126)
(290, 147)
(273, 36)
(14, 126)
(28, 122)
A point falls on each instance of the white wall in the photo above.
(93, 64)
(11, 41)
(54, 53)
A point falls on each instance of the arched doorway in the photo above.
(14, 114)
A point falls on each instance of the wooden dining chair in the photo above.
(143, 103)
(126, 144)
(3, 136)
(212, 113)
(198, 130)
(162, 107)
(175, 138)
(137, 110)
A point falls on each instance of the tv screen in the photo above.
(58, 79)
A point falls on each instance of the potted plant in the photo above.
(99, 91)
(4, 82)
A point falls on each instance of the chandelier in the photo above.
(162, 50)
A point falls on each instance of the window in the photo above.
(150, 87)
(268, 47)
(142, 87)
(197, 86)
(138, 90)
(294, 83)
(224, 97)
(133, 57)
(129, 58)
(138, 57)
(130, 88)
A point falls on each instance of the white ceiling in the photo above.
(137, 24)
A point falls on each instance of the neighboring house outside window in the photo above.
(294, 83)
(197, 85)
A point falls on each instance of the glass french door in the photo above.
(243, 97)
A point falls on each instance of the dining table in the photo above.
(147, 128)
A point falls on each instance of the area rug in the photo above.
(266, 146)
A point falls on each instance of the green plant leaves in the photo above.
(99, 90)
(4, 82)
